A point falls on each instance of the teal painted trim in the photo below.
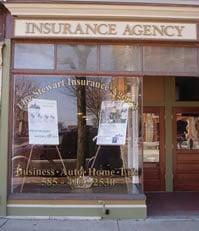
(169, 98)
(4, 127)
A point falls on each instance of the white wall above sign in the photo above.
(105, 29)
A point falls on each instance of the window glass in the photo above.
(120, 58)
(34, 56)
(170, 59)
(151, 137)
(187, 88)
(187, 129)
(76, 134)
(76, 57)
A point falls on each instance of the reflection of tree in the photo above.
(81, 124)
(23, 88)
(82, 53)
(89, 99)
(94, 96)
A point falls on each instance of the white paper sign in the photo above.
(42, 121)
(113, 123)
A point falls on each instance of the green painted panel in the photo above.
(114, 213)
(169, 98)
(4, 127)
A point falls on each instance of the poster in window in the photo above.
(42, 122)
(113, 123)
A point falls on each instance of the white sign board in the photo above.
(42, 28)
(113, 123)
(42, 122)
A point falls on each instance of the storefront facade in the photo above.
(99, 104)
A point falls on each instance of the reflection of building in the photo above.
(161, 49)
(151, 127)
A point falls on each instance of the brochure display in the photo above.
(42, 121)
(113, 123)
(43, 127)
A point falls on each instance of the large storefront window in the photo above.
(76, 134)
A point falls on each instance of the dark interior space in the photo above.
(187, 88)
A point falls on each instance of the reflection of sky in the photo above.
(38, 56)
(66, 104)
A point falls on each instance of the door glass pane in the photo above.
(151, 137)
(76, 134)
(187, 129)
(77, 57)
(34, 56)
(120, 58)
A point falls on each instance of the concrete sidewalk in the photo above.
(63, 224)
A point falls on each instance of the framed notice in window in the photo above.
(113, 123)
(42, 121)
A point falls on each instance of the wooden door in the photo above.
(186, 149)
(153, 149)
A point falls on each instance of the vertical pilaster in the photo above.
(169, 99)
(4, 126)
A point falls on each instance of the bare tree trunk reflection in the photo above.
(82, 55)
(81, 124)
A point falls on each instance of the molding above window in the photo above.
(101, 11)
